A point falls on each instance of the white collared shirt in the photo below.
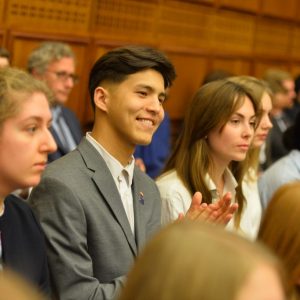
(122, 176)
(177, 199)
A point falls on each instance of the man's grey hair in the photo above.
(46, 53)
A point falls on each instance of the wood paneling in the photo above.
(190, 72)
(280, 8)
(2, 12)
(261, 66)
(234, 33)
(247, 5)
(126, 20)
(234, 66)
(295, 45)
(241, 36)
(273, 38)
(71, 16)
(186, 25)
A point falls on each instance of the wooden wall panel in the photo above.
(199, 35)
(247, 5)
(190, 72)
(133, 21)
(72, 16)
(234, 66)
(185, 25)
(273, 38)
(234, 33)
(261, 66)
(280, 8)
(2, 12)
(295, 47)
(295, 70)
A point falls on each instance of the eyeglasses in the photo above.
(65, 76)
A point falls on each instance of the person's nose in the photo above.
(69, 82)
(266, 123)
(48, 143)
(154, 105)
(248, 130)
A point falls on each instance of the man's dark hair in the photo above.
(117, 64)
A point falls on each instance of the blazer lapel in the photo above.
(138, 206)
(106, 185)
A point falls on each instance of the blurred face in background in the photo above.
(4, 62)
(265, 123)
(60, 78)
(289, 85)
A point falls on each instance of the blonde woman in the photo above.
(280, 231)
(25, 142)
(250, 166)
(193, 261)
(218, 129)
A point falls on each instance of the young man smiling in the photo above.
(96, 208)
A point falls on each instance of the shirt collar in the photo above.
(114, 166)
(229, 186)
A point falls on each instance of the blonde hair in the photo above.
(13, 287)
(280, 226)
(16, 86)
(211, 107)
(258, 88)
(191, 260)
(275, 78)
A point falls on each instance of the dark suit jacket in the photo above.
(89, 240)
(75, 128)
(23, 243)
(275, 148)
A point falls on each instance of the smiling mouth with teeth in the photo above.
(147, 121)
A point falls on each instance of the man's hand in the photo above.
(220, 212)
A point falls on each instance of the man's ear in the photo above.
(101, 96)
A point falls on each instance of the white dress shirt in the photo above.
(177, 199)
(122, 176)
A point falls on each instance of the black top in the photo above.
(23, 246)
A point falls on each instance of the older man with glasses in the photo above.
(54, 63)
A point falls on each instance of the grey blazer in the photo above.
(90, 245)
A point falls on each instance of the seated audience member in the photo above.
(151, 158)
(96, 207)
(195, 261)
(14, 287)
(4, 58)
(286, 169)
(283, 87)
(280, 232)
(293, 111)
(218, 129)
(54, 63)
(25, 141)
(250, 166)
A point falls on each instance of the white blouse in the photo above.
(176, 199)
